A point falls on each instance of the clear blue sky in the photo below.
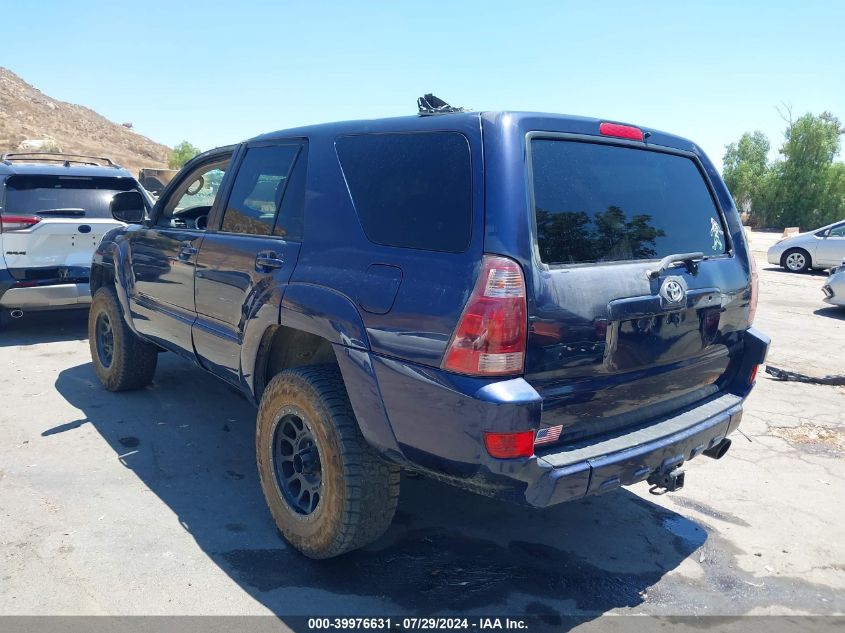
(216, 72)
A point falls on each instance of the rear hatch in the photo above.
(52, 224)
(615, 340)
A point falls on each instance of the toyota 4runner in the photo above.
(533, 307)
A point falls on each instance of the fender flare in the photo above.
(335, 318)
(324, 312)
(114, 255)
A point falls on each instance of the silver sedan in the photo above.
(822, 248)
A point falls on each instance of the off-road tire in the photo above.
(133, 361)
(808, 263)
(359, 490)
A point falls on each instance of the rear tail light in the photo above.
(755, 291)
(621, 131)
(18, 222)
(510, 445)
(753, 375)
(490, 337)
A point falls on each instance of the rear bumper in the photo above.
(438, 420)
(633, 456)
(46, 296)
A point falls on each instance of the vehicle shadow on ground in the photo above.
(45, 327)
(448, 551)
(815, 272)
(832, 312)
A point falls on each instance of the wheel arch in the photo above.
(792, 249)
(321, 326)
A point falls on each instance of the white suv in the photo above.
(54, 210)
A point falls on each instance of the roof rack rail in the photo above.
(59, 157)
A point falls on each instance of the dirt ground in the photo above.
(149, 503)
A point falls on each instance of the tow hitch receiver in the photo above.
(666, 481)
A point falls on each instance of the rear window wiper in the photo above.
(73, 212)
(691, 261)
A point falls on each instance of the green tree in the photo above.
(181, 154)
(746, 173)
(802, 189)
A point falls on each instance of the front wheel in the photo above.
(122, 361)
(327, 489)
(796, 260)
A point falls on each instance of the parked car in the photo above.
(508, 302)
(54, 210)
(834, 289)
(822, 248)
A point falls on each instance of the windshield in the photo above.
(78, 196)
(597, 202)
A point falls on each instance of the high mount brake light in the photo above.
(621, 131)
(18, 222)
(490, 337)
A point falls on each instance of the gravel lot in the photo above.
(149, 503)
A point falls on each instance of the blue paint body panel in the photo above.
(606, 358)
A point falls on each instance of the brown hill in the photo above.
(28, 114)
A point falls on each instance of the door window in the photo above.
(837, 231)
(190, 204)
(258, 189)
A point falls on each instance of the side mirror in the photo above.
(129, 207)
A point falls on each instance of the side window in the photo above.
(290, 219)
(258, 189)
(838, 231)
(190, 204)
(411, 190)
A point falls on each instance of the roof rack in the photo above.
(59, 157)
(429, 104)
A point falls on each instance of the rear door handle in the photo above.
(270, 261)
(186, 251)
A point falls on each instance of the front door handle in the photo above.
(186, 251)
(270, 261)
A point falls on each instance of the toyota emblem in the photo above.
(673, 291)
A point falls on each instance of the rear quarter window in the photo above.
(598, 202)
(411, 190)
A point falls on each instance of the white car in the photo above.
(834, 289)
(55, 210)
(822, 248)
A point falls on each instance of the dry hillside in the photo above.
(26, 113)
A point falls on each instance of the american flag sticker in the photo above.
(548, 434)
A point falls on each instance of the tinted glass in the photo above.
(838, 231)
(67, 196)
(596, 202)
(258, 189)
(289, 220)
(411, 190)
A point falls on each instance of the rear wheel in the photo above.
(328, 490)
(796, 260)
(122, 361)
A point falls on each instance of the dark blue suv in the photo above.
(534, 307)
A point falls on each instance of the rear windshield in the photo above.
(411, 190)
(600, 203)
(64, 196)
